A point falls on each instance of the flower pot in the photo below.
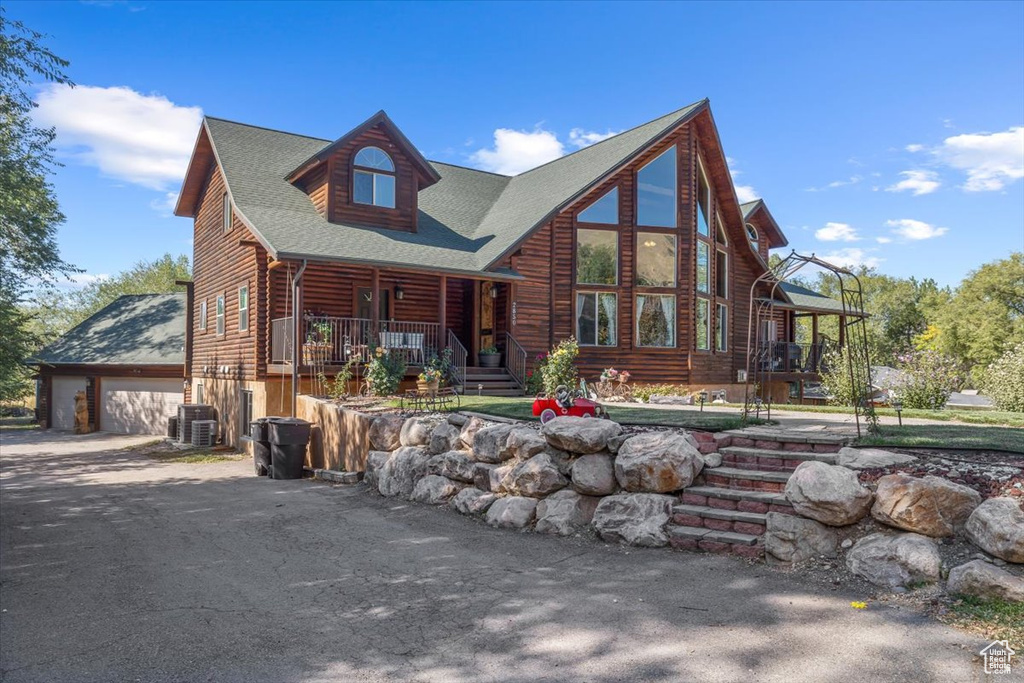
(489, 360)
(428, 387)
(315, 353)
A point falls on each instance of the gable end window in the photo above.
(220, 314)
(656, 191)
(226, 211)
(243, 308)
(752, 235)
(703, 201)
(373, 178)
(605, 210)
(202, 316)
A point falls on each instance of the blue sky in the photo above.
(890, 134)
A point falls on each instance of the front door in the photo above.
(488, 290)
(364, 303)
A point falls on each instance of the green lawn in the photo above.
(966, 437)
(984, 417)
(193, 457)
(13, 424)
(991, 618)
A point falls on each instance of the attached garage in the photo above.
(129, 358)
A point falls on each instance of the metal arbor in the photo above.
(854, 341)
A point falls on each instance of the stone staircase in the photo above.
(489, 382)
(726, 508)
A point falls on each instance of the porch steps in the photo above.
(489, 382)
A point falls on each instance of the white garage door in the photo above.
(131, 405)
(62, 401)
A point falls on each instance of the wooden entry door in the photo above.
(485, 324)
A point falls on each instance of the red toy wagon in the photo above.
(565, 403)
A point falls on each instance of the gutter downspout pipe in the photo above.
(297, 321)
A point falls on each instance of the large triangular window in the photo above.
(605, 210)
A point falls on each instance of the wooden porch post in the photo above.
(814, 328)
(375, 304)
(842, 331)
(815, 349)
(442, 314)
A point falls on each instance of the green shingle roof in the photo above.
(135, 329)
(467, 220)
(809, 300)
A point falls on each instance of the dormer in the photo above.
(369, 177)
(762, 232)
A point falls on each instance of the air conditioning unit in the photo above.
(189, 413)
(741, 376)
(204, 432)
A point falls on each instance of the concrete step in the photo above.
(744, 457)
(736, 478)
(700, 538)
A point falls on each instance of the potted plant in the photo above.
(489, 357)
(316, 350)
(429, 381)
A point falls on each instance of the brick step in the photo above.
(753, 523)
(736, 478)
(782, 441)
(737, 499)
(699, 538)
(744, 457)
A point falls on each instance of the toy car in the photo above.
(565, 403)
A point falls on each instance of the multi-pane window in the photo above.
(597, 257)
(722, 274)
(243, 308)
(752, 235)
(656, 191)
(703, 327)
(703, 267)
(655, 320)
(220, 314)
(721, 327)
(604, 210)
(703, 202)
(596, 315)
(373, 179)
(655, 259)
(245, 411)
(202, 315)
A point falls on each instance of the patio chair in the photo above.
(414, 344)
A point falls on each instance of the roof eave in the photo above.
(476, 274)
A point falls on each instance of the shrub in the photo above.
(535, 377)
(835, 378)
(926, 379)
(1004, 380)
(337, 388)
(385, 371)
(560, 366)
(643, 392)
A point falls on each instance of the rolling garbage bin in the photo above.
(260, 433)
(288, 439)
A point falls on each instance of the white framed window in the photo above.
(596, 316)
(226, 211)
(752, 235)
(656, 320)
(702, 330)
(721, 327)
(245, 411)
(243, 308)
(200, 394)
(373, 178)
(202, 315)
(220, 314)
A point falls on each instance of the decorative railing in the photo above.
(515, 360)
(348, 338)
(457, 368)
(778, 356)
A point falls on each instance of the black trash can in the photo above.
(259, 431)
(288, 439)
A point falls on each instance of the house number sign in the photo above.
(513, 314)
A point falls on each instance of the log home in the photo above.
(636, 245)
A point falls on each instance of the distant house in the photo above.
(636, 245)
(129, 358)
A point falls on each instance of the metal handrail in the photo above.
(354, 338)
(515, 360)
(457, 368)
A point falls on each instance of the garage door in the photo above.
(62, 400)
(131, 405)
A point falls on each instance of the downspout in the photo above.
(296, 331)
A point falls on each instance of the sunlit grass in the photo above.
(964, 437)
(983, 417)
(17, 424)
(995, 619)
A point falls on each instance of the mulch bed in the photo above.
(990, 473)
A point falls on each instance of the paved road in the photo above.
(118, 568)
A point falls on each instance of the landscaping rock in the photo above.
(926, 505)
(712, 460)
(458, 420)
(536, 477)
(563, 461)
(453, 465)
(416, 432)
(985, 581)
(445, 437)
(594, 475)
(579, 434)
(524, 443)
(374, 461)
(791, 540)
(565, 513)
(828, 494)
(512, 512)
(997, 527)
(398, 476)
(435, 490)
(385, 432)
(472, 501)
(482, 475)
(491, 444)
(869, 458)
(615, 443)
(657, 462)
(498, 475)
(634, 518)
(895, 561)
(469, 430)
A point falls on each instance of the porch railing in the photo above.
(515, 360)
(348, 338)
(457, 368)
(778, 356)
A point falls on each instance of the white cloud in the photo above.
(990, 160)
(883, 240)
(836, 232)
(909, 229)
(852, 258)
(914, 148)
(583, 138)
(917, 182)
(142, 139)
(746, 193)
(516, 151)
(165, 205)
(853, 180)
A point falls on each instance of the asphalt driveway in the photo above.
(114, 567)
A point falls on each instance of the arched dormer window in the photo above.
(373, 178)
(752, 235)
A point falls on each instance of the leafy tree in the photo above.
(29, 213)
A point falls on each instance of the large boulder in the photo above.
(416, 432)
(405, 467)
(374, 462)
(594, 475)
(536, 477)
(565, 513)
(454, 465)
(580, 434)
(925, 505)
(482, 475)
(869, 458)
(385, 432)
(828, 494)
(498, 474)
(634, 518)
(473, 501)
(513, 512)
(895, 561)
(435, 490)
(980, 579)
(469, 430)
(657, 462)
(524, 443)
(491, 444)
(997, 527)
(445, 437)
(563, 461)
(789, 539)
